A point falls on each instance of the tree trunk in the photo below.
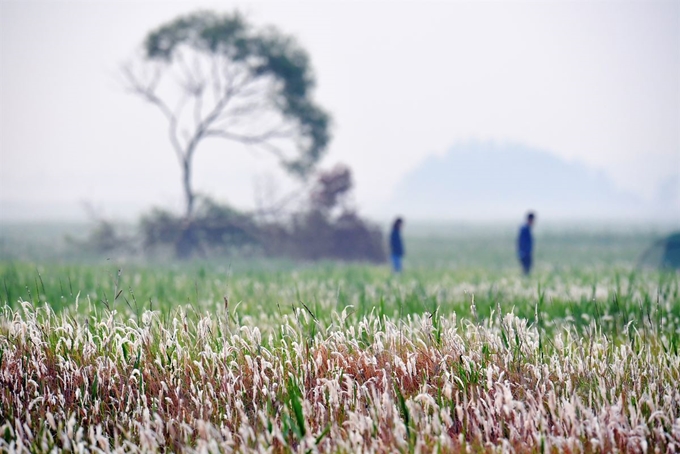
(188, 190)
(187, 240)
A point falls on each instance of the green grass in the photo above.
(460, 352)
(613, 296)
(339, 359)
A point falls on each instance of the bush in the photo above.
(315, 236)
(356, 239)
(326, 229)
(103, 239)
(329, 228)
(214, 229)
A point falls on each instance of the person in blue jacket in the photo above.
(525, 244)
(396, 245)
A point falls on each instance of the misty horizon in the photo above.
(658, 210)
(590, 85)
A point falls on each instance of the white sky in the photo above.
(597, 82)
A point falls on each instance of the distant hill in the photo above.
(502, 181)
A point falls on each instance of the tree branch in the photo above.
(260, 140)
(198, 108)
(186, 79)
(249, 139)
(206, 122)
(148, 94)
(277, 207)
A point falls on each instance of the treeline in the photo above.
(324, 226)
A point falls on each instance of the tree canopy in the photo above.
(216, 76)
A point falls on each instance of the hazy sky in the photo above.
(596, 82)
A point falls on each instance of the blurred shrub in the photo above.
(663, 254)
(104, 238)
(331, 188)
(325, 228)
(329, 228)
(356, 239)
(213, 230)
(159, 227)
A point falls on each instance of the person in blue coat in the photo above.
(525, 244)
(396, 245)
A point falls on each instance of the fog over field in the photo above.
(590, 86)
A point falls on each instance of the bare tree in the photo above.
(214, 76)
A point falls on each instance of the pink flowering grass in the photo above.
(314, 378)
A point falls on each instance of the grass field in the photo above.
(460, 353)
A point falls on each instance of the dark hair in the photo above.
(530, 216)
(397, 223)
